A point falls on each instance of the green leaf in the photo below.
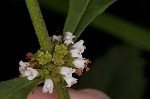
(60, 6)
(17, 88)
(82, 12)
(127, 31)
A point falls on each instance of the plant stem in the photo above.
(39, 24)
(45, 44)
(61, 89)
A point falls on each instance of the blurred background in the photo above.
(117, 41)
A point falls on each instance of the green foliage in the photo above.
(17, 88)
(39, 24)
(129, 32)
(125, 30)
(82, 12)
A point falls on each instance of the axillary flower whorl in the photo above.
(64, 60)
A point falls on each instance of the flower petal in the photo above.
(58, 38)
(68, 38)
(31, 73)
(24, 64)
(48, 86)
(79, 46)
(79, 63)
(70, 81)
(66, 71)
(75, 53)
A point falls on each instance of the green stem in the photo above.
(39, 24)
(45, 44)
(61, 89)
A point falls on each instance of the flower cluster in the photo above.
(64, 60)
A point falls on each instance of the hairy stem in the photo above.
(45, 44)
(39, 24)
(61, 89)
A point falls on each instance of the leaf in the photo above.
(82, 12)
(60, 6)
(120, 74)
(127, 31)
(17, 88)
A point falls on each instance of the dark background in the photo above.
(18, 37)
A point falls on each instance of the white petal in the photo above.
(66, 71)
(70, 81)
(68, 38)
(24, 64)
(79, 46)
(27, 73)
(31, 73)
(48, 86)
(79, 63)
(68, 35)
(24, 72)
(58, 38)
(67, 42)
(21, 69)
(75, 53)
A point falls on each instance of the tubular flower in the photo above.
(68, 38)
(48, 86)
(58, 38)
(23, 64)
(22, 67)
(70, 81)
(62, 61)
(30, 73)
(77, 49)
(67, 75)
(79, 63)
(79, 46)
(75, 53)
(66, 71)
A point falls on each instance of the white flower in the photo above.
(30, 73)
(66, 71)
(48, 86)
(68, 38)
(79, 46)
(70, 81)
(77, 49)
(79, 63)
(24, 64)
(58, 38)
(76, 53)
